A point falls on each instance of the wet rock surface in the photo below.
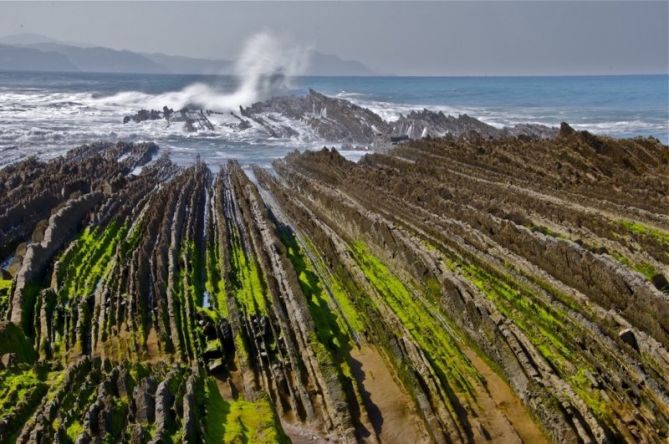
(477, 288)
(192, 119)
(337, 121)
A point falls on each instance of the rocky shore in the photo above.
(500, 285)
(334, 120)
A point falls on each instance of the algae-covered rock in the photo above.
(13, 341)
(478, 288)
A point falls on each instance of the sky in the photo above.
(403, 38)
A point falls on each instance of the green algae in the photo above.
(215, 284)
(74, 430)
(212, 345)
(5, 292)
(178, 302)
(645, 230)
(239, 421)
(20, 385)
(546, 231)
(15, 385)
(217, 411)
(582, 385)
(544, 323)
(193, 281)
(30, 293)
(117, 420)
(90, 260)
(435, 334)
(340, 296)
(253, 422)
(330, 323)
(249, 288)
(13, 340)
(194, 277)
(644, 268)
(547, 328)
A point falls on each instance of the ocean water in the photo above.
(45, 114)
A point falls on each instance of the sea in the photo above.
(45, 114)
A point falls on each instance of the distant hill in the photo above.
(191, 65)
(35, 52)
(99, 59)
(15, 58)
(332, 65)
(26, 38)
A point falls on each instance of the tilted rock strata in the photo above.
(337, 121)
(571, 323)
(452, 290)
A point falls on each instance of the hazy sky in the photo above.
(414, 38)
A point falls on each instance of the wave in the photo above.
(391, 111)
(266, 67)
(502, 117)
(47, 122)
(622, 125)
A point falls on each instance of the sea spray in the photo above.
(265, 68)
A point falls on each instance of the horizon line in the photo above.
(629, 74)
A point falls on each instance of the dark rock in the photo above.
(340, 121)
(566, 130)
(628, 337)
(143, 400)
(661, 282)
(14, 345)
(163, 402)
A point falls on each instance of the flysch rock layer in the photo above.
(458, 289)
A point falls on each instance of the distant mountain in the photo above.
(321, 64)
(25, 52)
(15, 58)
(98, 59)
(190, 65)
(26, 38)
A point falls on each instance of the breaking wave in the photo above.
(502, 116)
(46, 118)
(265, 67)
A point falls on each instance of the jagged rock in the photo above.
(143, 400)
(143, 115)
(163, 402)
(341, 121)
(190, 429)
(425, 123)
(194, 120)
(15, 347)
(404, 297)
(137, 434)
(84, 438)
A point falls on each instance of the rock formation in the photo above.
(193, 119)
(457, 289)
(337, 121)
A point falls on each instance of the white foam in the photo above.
(267, 65)
(391, 111)
(46, 123)
(623, 125)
